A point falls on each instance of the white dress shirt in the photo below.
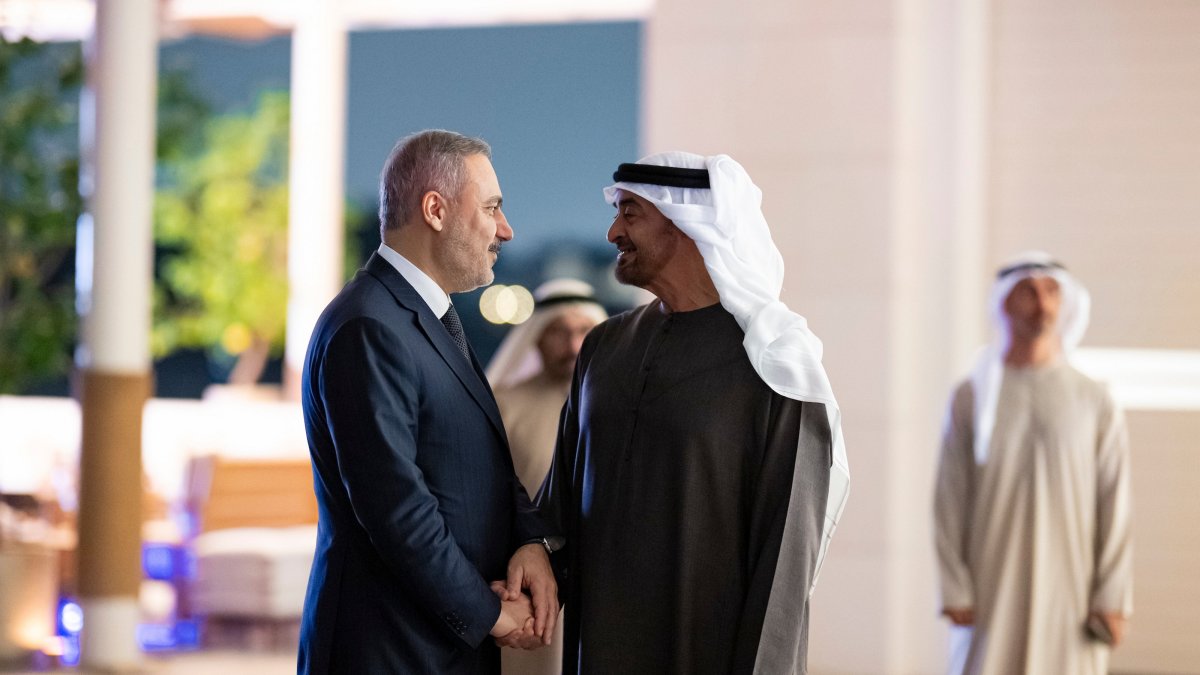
(433, 295)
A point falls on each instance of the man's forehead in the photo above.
(1040, 280)
(627, 198)
(479, 167)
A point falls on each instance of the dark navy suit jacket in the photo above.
(419, 506)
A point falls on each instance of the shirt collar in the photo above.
(427, 288)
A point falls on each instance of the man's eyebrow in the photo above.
(495, 200)
(628, 201)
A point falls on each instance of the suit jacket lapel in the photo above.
(469, 374)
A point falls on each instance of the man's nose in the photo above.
(615, 230)
(503, 230)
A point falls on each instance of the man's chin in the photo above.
(478, 282)
(628, 275)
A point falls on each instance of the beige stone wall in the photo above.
(1095, 146)
(805, 97)
(906, 147)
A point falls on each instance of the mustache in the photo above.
(624, 245)
(495, 248)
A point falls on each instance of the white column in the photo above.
(117, 123)
(316, 175)
(973, 87)
(116, 256)
(936, 292)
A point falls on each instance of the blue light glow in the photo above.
(70, 655)
(70, 618)
(156, 636)
(158, 561)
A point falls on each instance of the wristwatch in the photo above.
(551, 544)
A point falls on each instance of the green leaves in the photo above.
(221, 220)
(220, 217)
(39, 206)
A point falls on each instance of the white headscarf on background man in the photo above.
(1073, 318)
(727, 224)
(517, 358)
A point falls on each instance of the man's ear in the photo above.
(434, 209)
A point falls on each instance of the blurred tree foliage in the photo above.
(221, 223)
(39, 205)
(220, 219)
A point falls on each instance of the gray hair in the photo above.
(433, 159)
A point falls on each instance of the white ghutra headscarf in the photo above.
(727, 224)
(989, 366)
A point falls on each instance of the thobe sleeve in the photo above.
(1113, 584)
(555, 499)
(952, 502)
(788, 513)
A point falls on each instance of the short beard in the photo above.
(463, 270)
(464, 280)
(632, 275)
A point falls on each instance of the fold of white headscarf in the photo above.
(988, 371)
(728, 226)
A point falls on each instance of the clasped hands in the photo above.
(527, 621)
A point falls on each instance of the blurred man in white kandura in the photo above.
(531, 376)
(1032, 506)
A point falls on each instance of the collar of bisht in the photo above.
(989, 366)
(714, 202)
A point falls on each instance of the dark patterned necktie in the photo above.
(454, 327)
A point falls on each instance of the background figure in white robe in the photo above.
(531, 375)
(1033, 499)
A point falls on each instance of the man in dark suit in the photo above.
(419, 505)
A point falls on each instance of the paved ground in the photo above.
(219, 662)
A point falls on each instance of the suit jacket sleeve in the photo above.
(370, 387)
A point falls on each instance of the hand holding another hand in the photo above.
(515, 627)
(530, 569)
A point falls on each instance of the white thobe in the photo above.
(1036, 536)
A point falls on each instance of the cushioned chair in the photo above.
(257, 533)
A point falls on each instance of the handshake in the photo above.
(518, 627)
(526, 621)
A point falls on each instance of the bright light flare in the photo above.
(502, 304)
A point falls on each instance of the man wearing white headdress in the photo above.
(700, 466)
(531, 372)
(531, 375)
(1033, 498)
